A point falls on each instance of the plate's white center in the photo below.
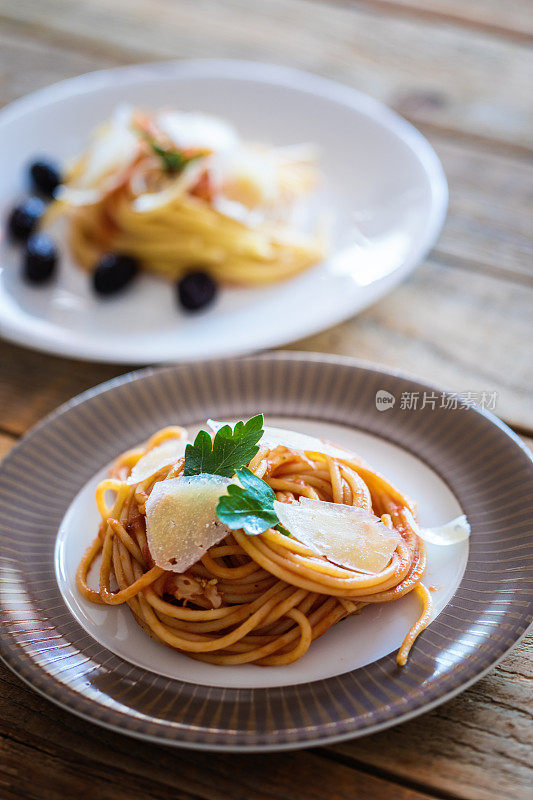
(352, 643)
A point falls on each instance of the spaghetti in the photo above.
(148, 187)
(252, 599)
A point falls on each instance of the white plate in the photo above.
(356, 642)
(382, 182)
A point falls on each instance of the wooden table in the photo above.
(460, 71)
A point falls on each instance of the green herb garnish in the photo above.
(173, 160)
(250, 506)
(230, 450)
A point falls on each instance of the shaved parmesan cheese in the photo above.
(274, 437)
(457, 530)
(246, 175)
(346, 535)
(181, 521)
(194, 129)
(163, 455)
(77, 197)
(113, 147)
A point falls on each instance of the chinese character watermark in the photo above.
(452, 401)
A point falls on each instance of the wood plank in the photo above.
(67, 755)
(461, 80)
(461, 330)
(512, 18)
(28, 62)
(33, 384)
(477, 746)
(488, 226)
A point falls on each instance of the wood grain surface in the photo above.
(511, 18)
(461, 71)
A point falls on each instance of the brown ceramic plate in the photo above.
(449, 458)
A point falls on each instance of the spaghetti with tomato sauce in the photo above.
(252, 599)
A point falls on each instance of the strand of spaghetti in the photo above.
(170, 432)
(319, 567)
(421, 623)
(359, 489)
(282, 540)
(279, 597)
(331, 614)
(178, 612)
(284, 485)
(83, 570)
(126, 539)
(302, 574)
(124, 574)
(116, 598)
(111, 484)
(336, 481)
(418, 567)
(321, 486)
(270, 636)
(126, 461)
(233, 573)
(224, 550)
(259, 653)
(206, 645)
(294, 599)
(249, 645)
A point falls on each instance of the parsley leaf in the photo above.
(227, 452)
(250, 506)
(173, 160)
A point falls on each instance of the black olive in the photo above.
(24, 218)
(113, 272)
(40, 258)
(45, 176)
(196, 290)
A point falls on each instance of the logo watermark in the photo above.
(417, 401)
(384, 400)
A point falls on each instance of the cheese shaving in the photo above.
(181, 521)
(457, 530)
(346, 535)
(165, 454)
